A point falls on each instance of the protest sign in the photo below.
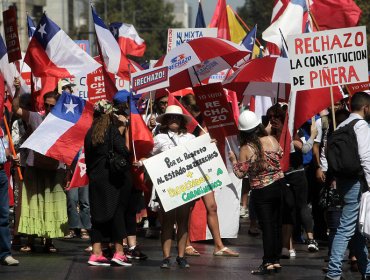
(353, 88)
(216, 111)
(95, 85)
(187, 172)
(11, 35)
(148, 80)
(178, 36)
(328, 58)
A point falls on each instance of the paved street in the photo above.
(70, 263)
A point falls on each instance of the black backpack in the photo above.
(342, 152)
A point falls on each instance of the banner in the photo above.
(328, 58)
(96, 86)
(216, 111)
(83, 44)
(353, 88)
(187, 172)
(178, 36)
(11, 35)
(151, 79)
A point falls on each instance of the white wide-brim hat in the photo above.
(173, 110)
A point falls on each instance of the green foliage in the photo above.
(257, 12)
(151, 18)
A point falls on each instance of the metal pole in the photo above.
(91, 31)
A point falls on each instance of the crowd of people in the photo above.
(303, 202)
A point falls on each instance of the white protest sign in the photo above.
(187, 172)
(178, 36)
(151, 79)
(328, 58)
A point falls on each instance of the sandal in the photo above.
(226, 252)
(263, 269)
(190, 251)
(50, 248)
(84, 235)
(26, 249)
(70, 235)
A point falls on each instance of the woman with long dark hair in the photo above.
(109, 195)
(259, 159)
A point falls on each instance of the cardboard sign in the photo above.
(216, 111)
(178, 36)
(11, 35)
(187, 172)
(150, 79)
(95, 85)
(328, 58)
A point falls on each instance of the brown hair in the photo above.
(164, 125)
(99, 128)
(190, 103)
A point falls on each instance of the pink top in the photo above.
(259, 178)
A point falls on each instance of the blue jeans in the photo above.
(350, 191)
(78, 196)
(5, 237)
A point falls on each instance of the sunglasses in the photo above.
(49, 106)
(174, 117)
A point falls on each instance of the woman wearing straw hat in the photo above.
(259, 159)
(172, 133)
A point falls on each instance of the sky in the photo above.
(209, 7)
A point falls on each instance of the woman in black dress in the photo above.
(109, 195)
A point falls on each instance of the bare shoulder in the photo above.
(269, 143)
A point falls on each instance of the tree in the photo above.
(257, 12)
(151, 18)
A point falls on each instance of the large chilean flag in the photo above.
(52, 53)
(61, 134)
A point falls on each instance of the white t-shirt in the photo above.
(163, 142)
(319, 138)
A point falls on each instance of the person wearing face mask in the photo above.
(350, 190)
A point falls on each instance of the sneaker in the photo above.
(166, 263)
(243, 212)
(312, 245)
(288, 254)
(292, 253)
(121, 260)
(10, 261)
(98, 261)
(136, 254)
(182, 262)
(146, 224)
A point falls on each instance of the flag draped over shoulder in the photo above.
(333, 14)
(128, 39)
(114, 60)
(199, 21)
(220, 20)
(52, 53)
(237, 32)
(9, 71)
(61, 134)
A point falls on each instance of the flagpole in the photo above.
(129, 85)
(11, 144)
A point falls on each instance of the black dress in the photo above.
(106, 194)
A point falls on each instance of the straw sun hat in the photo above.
(173, 110)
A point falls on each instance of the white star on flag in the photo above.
(70, 107)
(115, 31)
(42, 29)
(252, 41)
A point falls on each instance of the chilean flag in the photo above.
(52, 53)
(61, 134)
(115, 61)
(128, 39)
(79, 178)
(9, 71)
(30, 27)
